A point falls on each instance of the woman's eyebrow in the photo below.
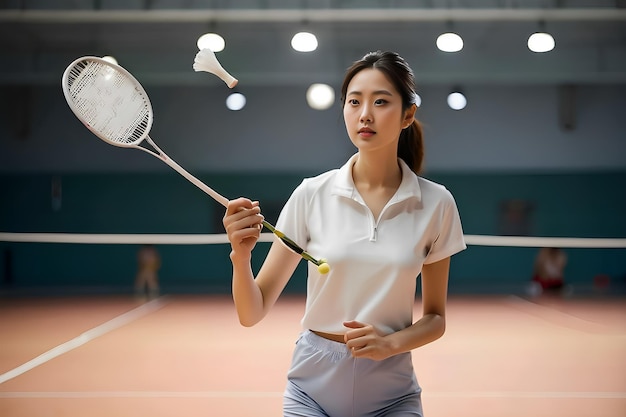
(377, 92)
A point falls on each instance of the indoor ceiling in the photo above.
(156, 40)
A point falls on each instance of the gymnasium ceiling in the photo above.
(156, 39)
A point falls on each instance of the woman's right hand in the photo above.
(243, 224)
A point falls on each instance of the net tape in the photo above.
(221, 238)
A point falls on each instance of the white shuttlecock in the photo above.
(207, 61)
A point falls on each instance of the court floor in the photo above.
(186, 355)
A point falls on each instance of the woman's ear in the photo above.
(409, 116)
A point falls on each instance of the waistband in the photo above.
(322, 344)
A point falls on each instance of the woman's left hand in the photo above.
(365, 342)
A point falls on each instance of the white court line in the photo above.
(141, 394)
(80, 340)
(558, 317)
(252, 394)
(530, 394)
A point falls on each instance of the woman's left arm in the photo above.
(363, 340)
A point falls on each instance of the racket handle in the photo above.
(291, 244)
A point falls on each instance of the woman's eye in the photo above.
(380, 101)
(353, 101)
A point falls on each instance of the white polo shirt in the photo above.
(374, 263)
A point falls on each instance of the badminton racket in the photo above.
(113, 105)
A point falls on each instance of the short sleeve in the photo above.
(292, 218)
(450, 239)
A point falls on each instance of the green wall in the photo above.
(569, 205)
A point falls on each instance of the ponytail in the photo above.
(411, 146)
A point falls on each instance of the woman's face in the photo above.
(373, 112)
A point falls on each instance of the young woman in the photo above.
(379, 225)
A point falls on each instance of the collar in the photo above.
(344, 183)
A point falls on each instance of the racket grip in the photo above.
(291, 244)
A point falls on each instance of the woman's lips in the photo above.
(366, 132)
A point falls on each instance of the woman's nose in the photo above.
(366, 115)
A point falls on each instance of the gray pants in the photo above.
(325, 380)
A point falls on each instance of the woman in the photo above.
(379, 225)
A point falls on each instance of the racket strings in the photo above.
(109, 102)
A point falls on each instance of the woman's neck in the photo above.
(375, 172)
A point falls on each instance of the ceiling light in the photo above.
(212, 41)
(457, 101)
(235, 101)
(304, 42)
(320, 96)
(449, 42)
(540, 42)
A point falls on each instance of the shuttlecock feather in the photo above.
(207, 61)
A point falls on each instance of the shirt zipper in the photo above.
(376, 222)
(373, 221)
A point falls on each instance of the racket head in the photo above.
(108, 100)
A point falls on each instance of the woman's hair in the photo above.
(396, 69)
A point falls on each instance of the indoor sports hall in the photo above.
(115, 275)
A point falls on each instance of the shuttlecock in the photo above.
(207, 61)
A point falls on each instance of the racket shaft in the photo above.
(195, 181)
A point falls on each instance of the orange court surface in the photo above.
(187, 355)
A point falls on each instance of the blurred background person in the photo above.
(148, 265)
(549, 272)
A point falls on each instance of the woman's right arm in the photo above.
(254, 297)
